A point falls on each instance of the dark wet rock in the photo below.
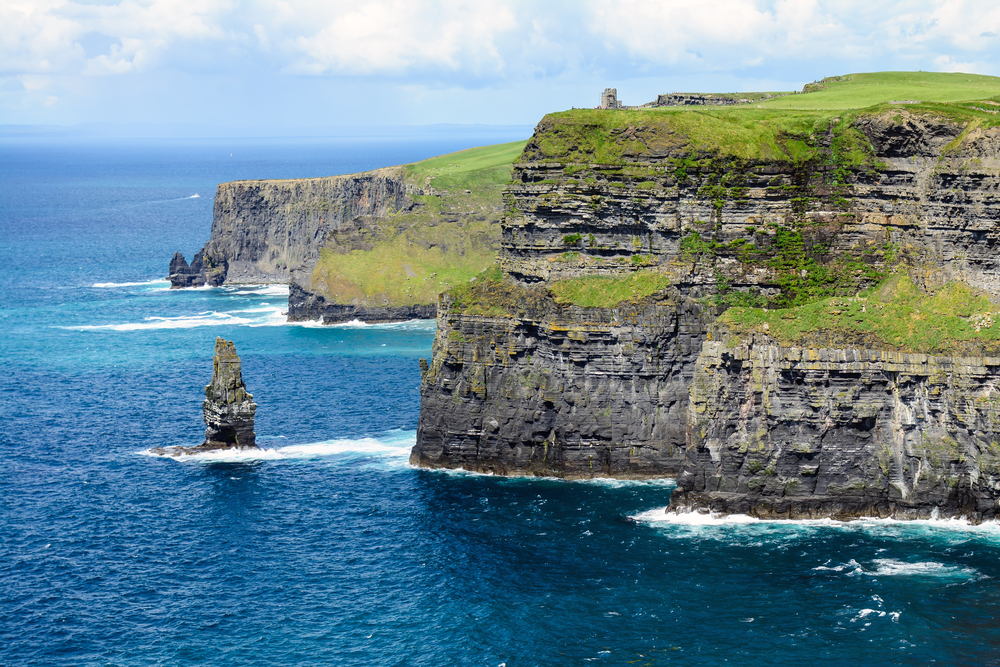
(228, 409)
(203, 270)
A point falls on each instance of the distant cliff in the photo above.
(626, 234)
(376, 246)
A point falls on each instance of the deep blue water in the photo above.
(327, 548)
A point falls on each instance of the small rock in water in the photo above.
(228, 409)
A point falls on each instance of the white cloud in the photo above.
(490, 49)
(395, 36)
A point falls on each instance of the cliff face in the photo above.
(572, 390)
(560, 390)
(806, 433)
(263, 231)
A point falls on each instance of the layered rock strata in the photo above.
(790, 432)
(567, 218)
(228, 409)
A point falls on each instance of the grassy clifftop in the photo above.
(447, 237)
(785, 129)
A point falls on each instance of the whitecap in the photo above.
(405, 325)
(661, 515)
(611, 482)
(262, 289)
(882, 527)
(144, 283)
(890, 567)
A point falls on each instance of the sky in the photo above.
(321, 67)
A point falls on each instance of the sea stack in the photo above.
(228, 408)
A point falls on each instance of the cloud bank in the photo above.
(416, 61)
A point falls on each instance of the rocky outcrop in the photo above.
(263, 231)
(709, 99)
(563, 391)
(228, 409)
(196, 274)
(548, 388)
(803, 433)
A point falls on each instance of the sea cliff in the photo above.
(594, 348)
(790, 432)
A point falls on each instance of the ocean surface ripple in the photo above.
(326, 547)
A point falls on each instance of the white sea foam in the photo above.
(661, 515)
(256, 290)
(395, 445)
(136, 284)
(204, 319)
(890, 567)
(405, 325)
(887, 527)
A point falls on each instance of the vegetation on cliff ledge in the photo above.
(609, 291)
(492, 294)
(894, 315)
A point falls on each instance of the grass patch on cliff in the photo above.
(895, 315)
(446, 239)
(786, 129)
(679, 133)
(609, 291)
(491, 295)
(484, 171)
(409, 267)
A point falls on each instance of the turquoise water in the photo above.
(326, 547)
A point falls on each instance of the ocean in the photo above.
(326, 547)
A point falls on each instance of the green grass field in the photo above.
(445, 241)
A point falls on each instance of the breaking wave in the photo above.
(892, 567)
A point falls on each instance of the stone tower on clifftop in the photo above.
(609, 99)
